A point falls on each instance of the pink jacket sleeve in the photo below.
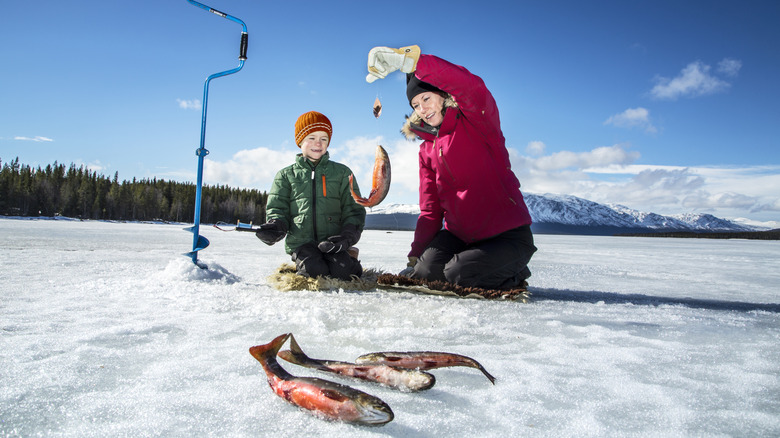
(472, 96)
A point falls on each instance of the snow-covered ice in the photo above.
(107, 330)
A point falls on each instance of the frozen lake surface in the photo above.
(107, 330)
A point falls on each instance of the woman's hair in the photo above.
(415, 119)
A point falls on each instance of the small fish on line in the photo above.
(422, 360)
(323, 398)
(380, 181)
(377, 108)
(398, 378)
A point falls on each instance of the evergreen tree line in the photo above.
(80, 193)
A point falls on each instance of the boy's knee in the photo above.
(309, 262)
(343, 266)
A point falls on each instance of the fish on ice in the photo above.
(323, 398)
(422, 360)
(394, 377)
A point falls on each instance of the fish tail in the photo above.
(487, 374)
(295, 354)
(263, 352)
(474, 364)
(358, 199)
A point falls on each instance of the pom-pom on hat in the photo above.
(415, 86)
(311, 122)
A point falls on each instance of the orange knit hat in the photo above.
(311, 122)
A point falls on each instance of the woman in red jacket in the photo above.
(466, 181)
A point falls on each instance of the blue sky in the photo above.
(666, 106)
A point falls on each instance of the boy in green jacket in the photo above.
(310, 202)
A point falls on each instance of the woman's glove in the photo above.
(383, 60)
(340, 242)
(407, 272)
(271, 231)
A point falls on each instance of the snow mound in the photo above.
(184, 270)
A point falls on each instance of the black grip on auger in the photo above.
(244, 45)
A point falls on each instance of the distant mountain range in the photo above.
(564, 214)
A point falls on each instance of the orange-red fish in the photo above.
(423, 360)
(398, 378)
(323, 398)
(380, 181)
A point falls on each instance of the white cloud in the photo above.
(96, 166)
(35, 139)
(694, 80)
(608, 175)
(729, 67)
(633, 118)
(535, 148)
(189, 104)
(601, 156)
(248, 168)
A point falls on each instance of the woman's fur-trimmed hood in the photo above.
(414, 119)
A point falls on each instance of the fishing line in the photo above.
(199, 242)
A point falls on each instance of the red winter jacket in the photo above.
(466, 179)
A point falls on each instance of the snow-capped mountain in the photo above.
(571, 210)
(566, 214)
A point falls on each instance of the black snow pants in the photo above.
(500, 262)
(311, 262)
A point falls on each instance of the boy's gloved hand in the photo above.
(271, 231)
(383, 60)
(334, 244)
(340, 242)
(407, 272)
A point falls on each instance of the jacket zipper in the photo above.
(443, 161)
(314, 205)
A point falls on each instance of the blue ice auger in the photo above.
(199, 242)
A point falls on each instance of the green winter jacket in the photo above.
(290, 200)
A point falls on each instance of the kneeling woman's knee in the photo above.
(457, 273)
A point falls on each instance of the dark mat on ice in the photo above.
(443, 288)
(286, 279)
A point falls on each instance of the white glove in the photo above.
(383, 60)
(407, 272)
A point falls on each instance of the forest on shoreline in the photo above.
(77, 192)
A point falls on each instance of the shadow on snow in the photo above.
(648, 300)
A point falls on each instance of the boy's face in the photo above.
(315, 145)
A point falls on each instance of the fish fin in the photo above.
(334, 395)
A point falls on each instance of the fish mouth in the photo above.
(374, 414)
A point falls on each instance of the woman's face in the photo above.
(315, 145)
(429, 106)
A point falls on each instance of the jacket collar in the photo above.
(303, 162)
(428, 132)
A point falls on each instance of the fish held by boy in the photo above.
(422, 360)
(323, 398)
(380, 181)
(398, 378)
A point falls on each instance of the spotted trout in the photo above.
(394, 377)
(322, 398)
(422, 360)
(380, 181)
